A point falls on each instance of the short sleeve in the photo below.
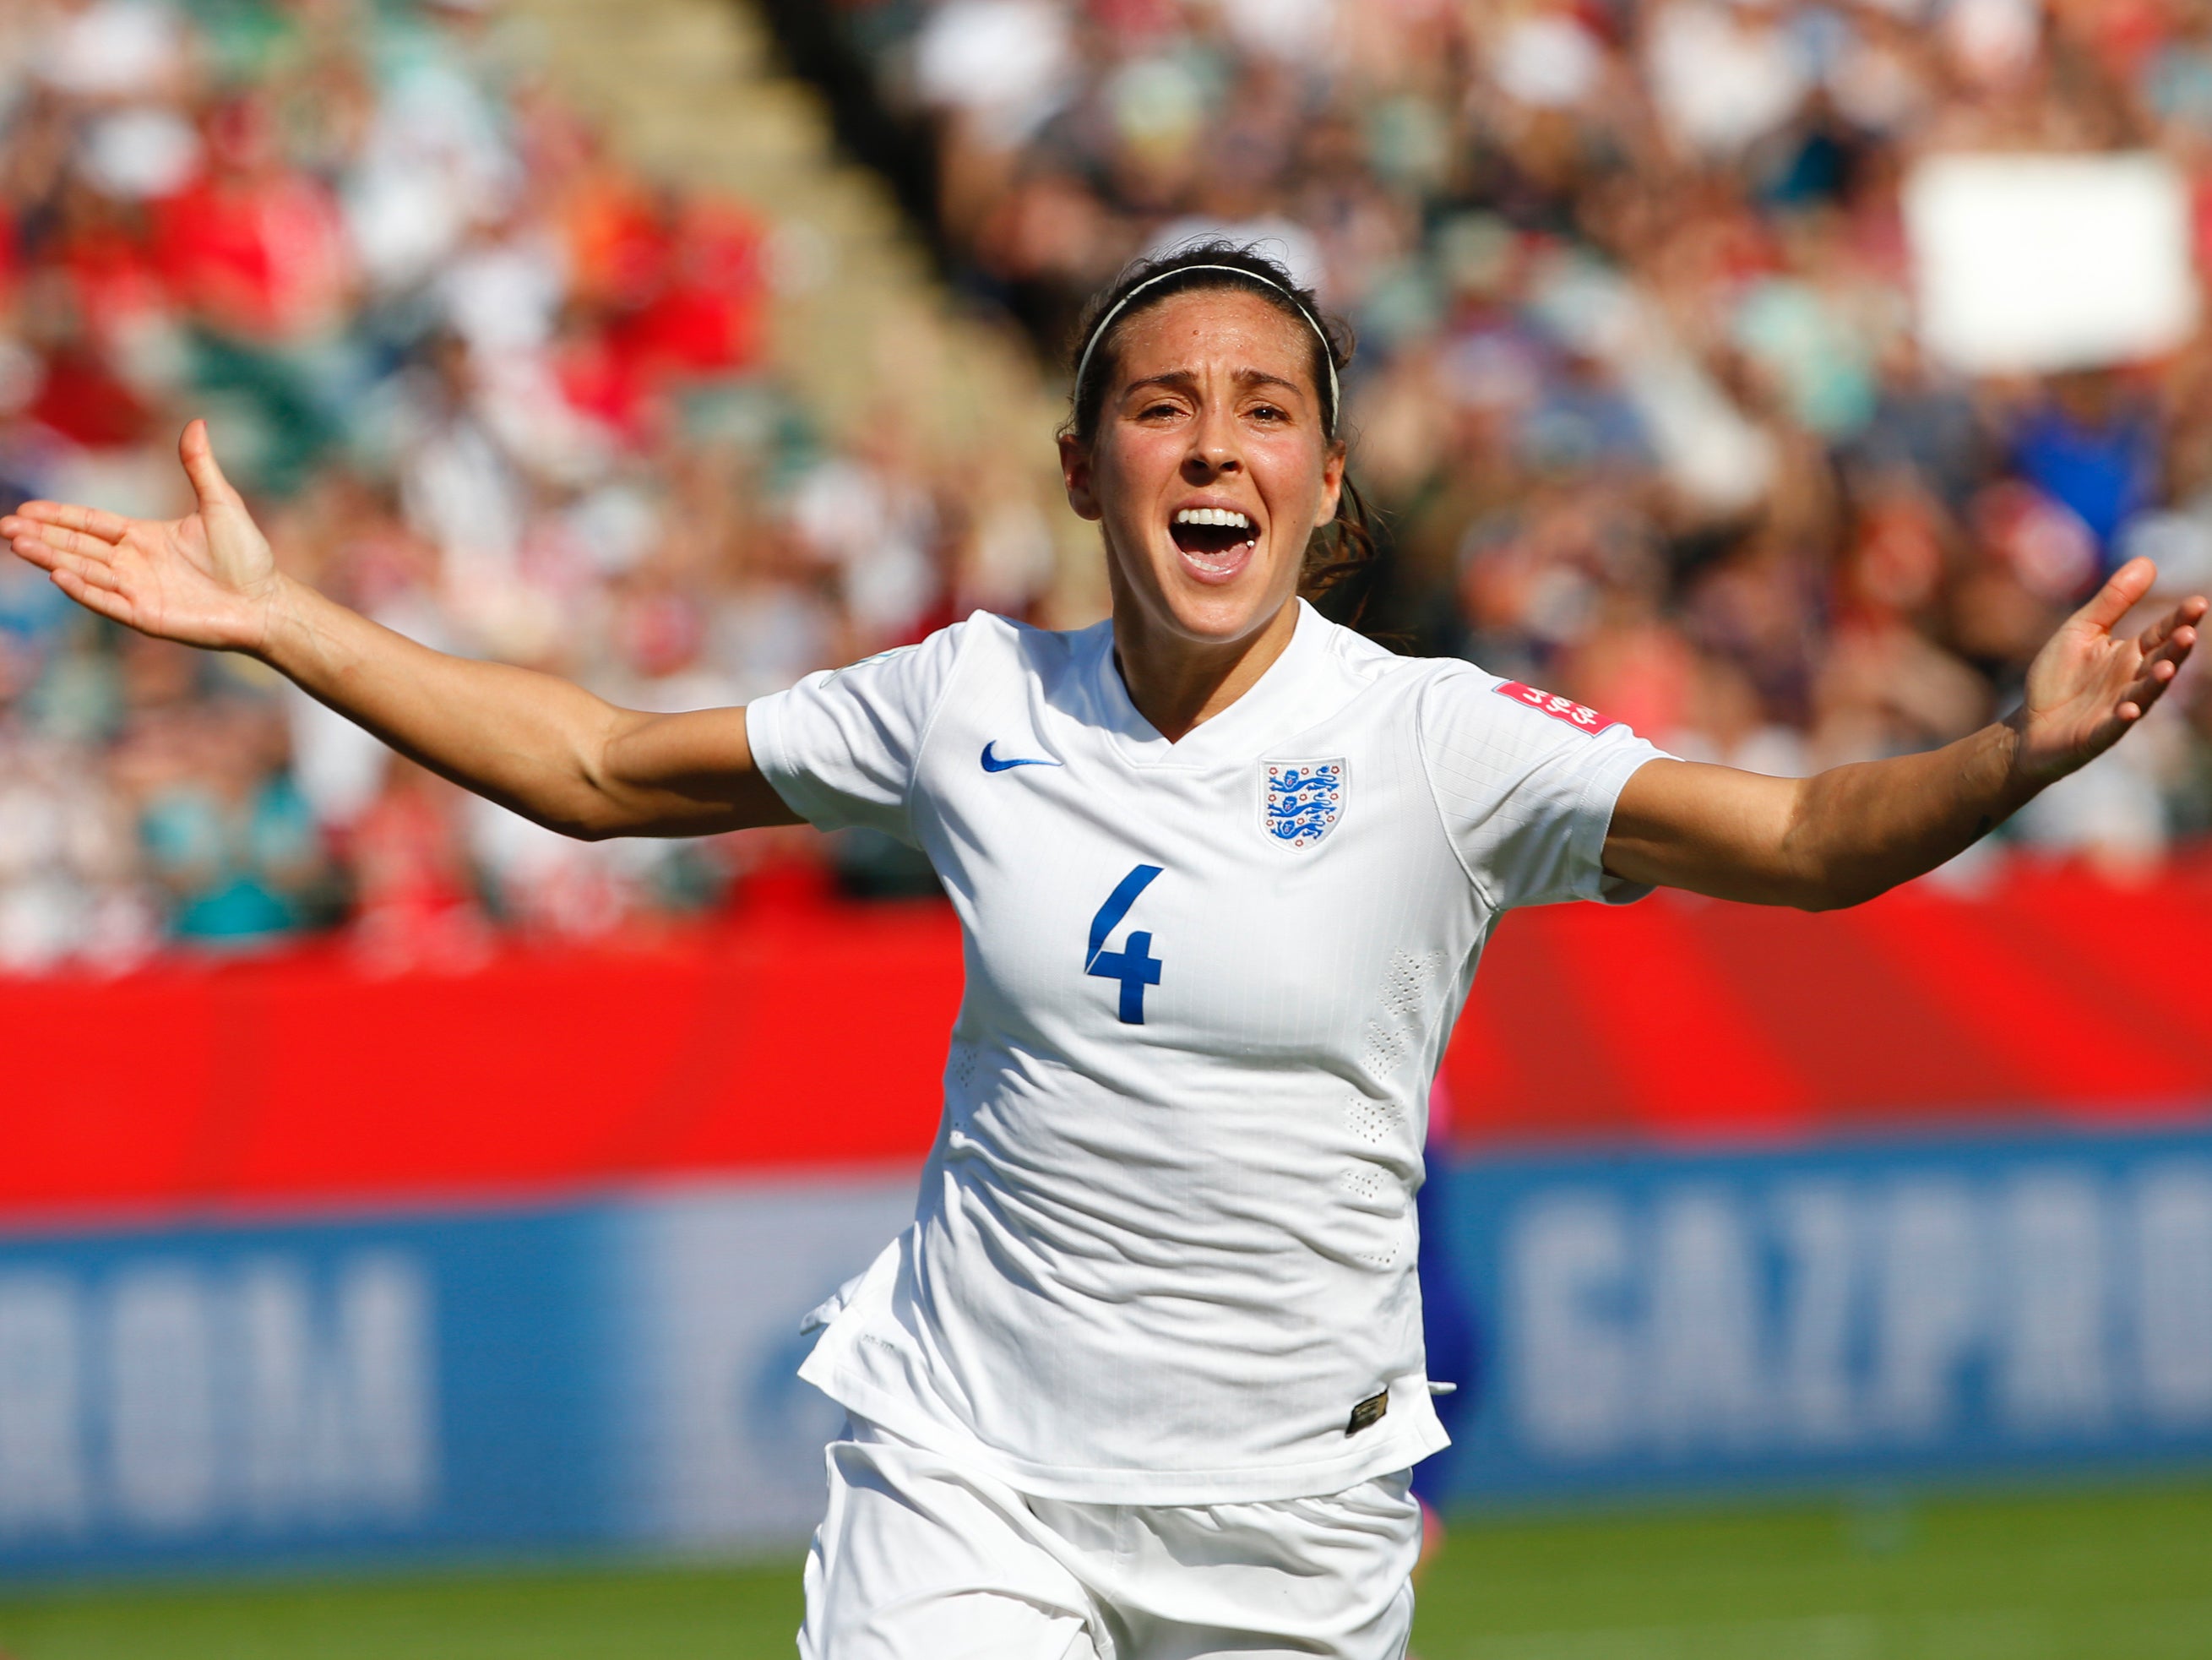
(840, 746)
(1526, 781)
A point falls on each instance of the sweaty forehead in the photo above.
(1213, 328)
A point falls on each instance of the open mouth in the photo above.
(1214, 538)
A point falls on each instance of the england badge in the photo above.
(1300, 801)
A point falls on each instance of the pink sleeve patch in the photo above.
(1580, 716)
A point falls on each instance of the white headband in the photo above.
(1328, 351)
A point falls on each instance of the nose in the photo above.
(1213, 452)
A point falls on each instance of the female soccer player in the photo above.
(1145, 1377)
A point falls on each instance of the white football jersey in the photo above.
(1164, 1248)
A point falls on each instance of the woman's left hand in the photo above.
(1851, 832)
(2086, 688)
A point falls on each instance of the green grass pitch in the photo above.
(2120, 1574)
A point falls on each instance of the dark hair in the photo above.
(1343, 548)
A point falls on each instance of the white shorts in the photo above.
(919, 1559)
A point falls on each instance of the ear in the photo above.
(1332, 483)
(1075, 474)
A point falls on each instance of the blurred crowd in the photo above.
(480, 379)
(1638, 392)
(1638, 386)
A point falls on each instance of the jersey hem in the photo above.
(1413, 1441)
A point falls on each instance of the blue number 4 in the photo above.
(1135, 967)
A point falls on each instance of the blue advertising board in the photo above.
(209, 1394)
(611, 1374)
(1807, 1317)
(620, 1374)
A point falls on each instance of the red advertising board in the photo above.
(791, 1035)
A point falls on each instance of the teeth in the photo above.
(1224, 516)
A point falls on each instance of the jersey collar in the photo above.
(1284, 699)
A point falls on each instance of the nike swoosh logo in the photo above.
(992, 764)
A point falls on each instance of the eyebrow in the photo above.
(1187, 380)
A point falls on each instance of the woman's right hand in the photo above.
(550, 750)
(207, 579)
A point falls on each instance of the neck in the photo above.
(1178, 683)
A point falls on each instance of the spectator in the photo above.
(502, 392)
(1639, 390)
(224, 829)
(1639, 393)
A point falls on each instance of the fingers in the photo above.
(78, 563)
(2144, 689)
(31, 549)
(105, 601)
(75, 542)
(2172, 653)
(89, 566)
(37, 551)
(2165, 646)
(93, 573)
(2121, 594)
(2151, 681)
(196, 452)
(2186, 614)
(91, 521)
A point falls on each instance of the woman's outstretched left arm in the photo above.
(1844, 836)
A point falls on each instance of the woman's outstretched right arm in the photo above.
(548, 749)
